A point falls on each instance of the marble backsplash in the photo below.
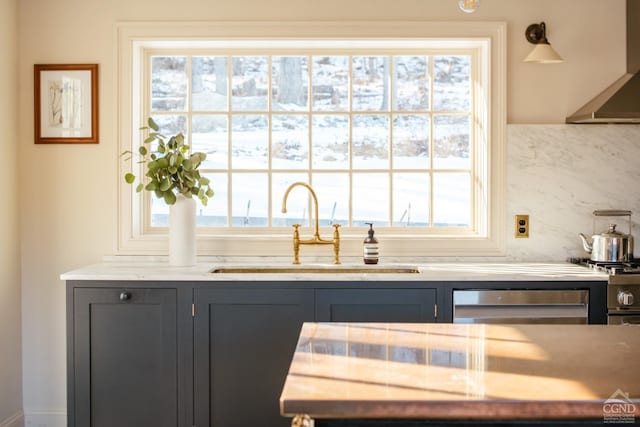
(560, 174)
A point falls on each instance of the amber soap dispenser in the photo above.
(371, 252)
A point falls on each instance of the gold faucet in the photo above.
(316, 239)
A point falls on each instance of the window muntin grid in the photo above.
(401, 156)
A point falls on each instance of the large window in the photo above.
(393, 132)
(381, 138)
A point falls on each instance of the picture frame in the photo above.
(66, 103)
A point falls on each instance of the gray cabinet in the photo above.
(139, 356)
(243, 343)
(164, 354)
(376, 305)
(123, 357)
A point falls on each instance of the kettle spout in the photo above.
(585, 243)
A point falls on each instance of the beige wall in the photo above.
(10, 342)
(68, 211)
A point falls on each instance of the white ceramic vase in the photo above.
(182, 232)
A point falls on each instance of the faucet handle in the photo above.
(296, 243)
(336, 244)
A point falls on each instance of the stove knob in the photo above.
(625, 298)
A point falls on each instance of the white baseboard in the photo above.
(16, 420)
(45, 419)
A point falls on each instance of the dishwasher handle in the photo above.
(521, 306)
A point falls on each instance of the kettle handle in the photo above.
(613, 212)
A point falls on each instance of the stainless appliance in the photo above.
(521, 306)
(619, 103)
(623, 290)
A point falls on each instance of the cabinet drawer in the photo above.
(376, 305)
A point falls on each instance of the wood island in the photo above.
(415, 374)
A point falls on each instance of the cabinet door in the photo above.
(244, 341)
(376, 305)
(124, 358)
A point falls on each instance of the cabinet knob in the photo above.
(125, 296)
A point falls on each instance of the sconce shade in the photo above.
(542, 53)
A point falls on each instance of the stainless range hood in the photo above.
(620, 102)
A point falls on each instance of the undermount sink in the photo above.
(326, 269)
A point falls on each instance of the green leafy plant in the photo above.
(170, 169)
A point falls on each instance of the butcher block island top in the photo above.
(429, 371)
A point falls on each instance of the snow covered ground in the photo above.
(425, 137)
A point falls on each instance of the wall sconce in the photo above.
(542, 53)
(469, 6)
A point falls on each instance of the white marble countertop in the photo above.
(144, 268)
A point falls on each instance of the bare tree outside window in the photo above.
(383, 137)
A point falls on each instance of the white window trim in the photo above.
(491, 239)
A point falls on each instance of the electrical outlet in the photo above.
(522, 226)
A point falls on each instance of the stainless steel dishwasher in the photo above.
(521, 306)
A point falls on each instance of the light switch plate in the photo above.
(522, 226)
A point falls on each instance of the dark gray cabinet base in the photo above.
(146, 359)
(124, 354)
(244, 340)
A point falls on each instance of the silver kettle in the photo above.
(611, 245)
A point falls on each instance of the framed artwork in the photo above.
(66, 103)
